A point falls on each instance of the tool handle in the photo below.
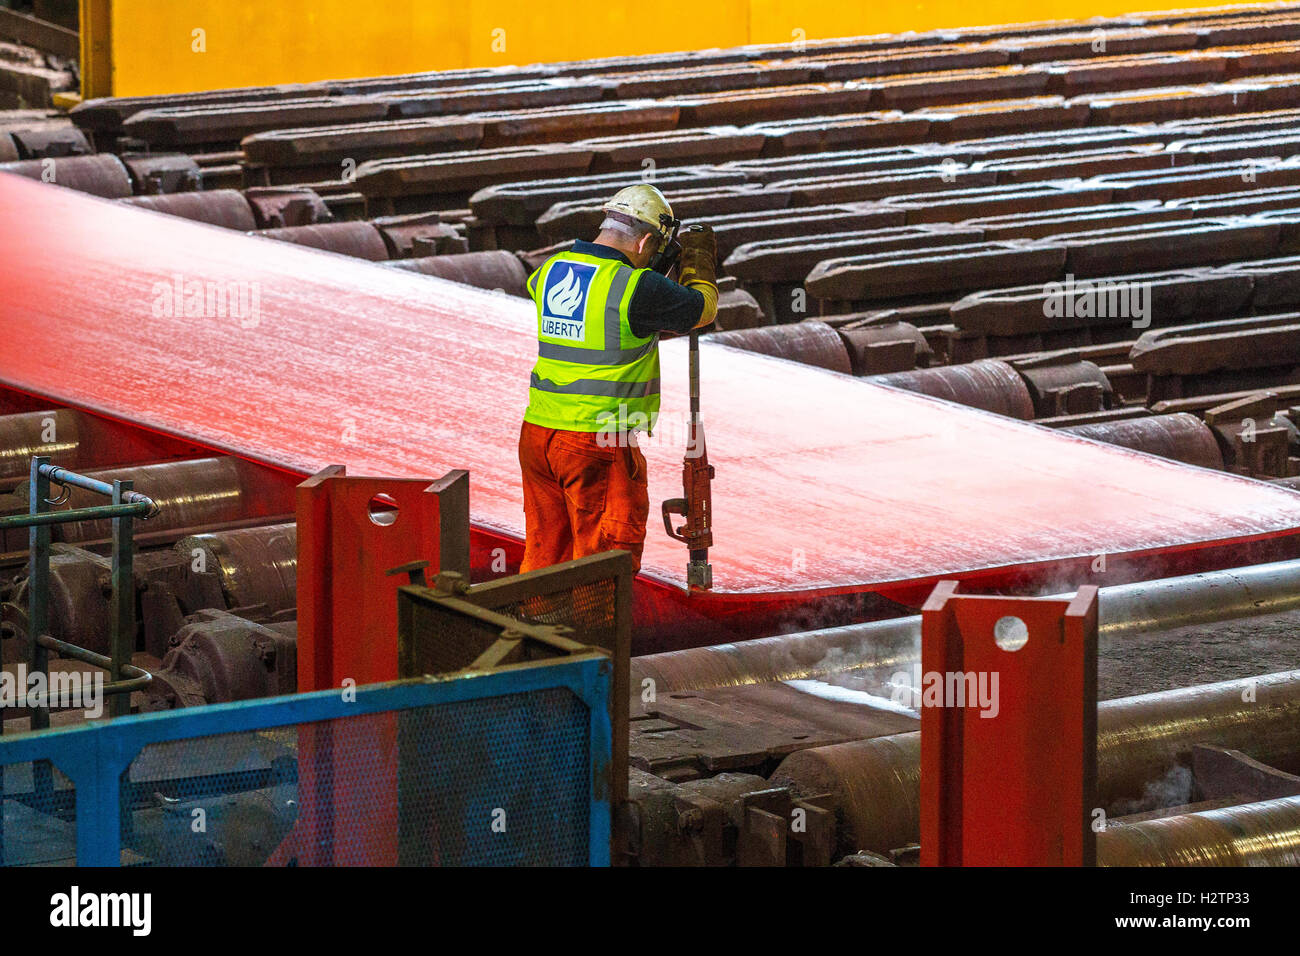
(674, 506)
(695, 377)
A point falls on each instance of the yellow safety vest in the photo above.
(592, 373)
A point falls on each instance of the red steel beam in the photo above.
(1008, 729)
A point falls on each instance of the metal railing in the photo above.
(127, 505)
(547, 612)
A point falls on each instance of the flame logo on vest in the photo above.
(562, 298)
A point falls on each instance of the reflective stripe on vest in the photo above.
(592, 369)
(588, 386)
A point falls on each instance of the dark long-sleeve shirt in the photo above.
(658, 303)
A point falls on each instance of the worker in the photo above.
(595, 387)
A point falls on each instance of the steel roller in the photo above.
(1143, 747)
(1253, 834)
(988, 384)
(188, 493)
(100, 175)
(50, 433)
(217, 207)
(1181, 437)
(360, 240)
(1125, 610)
(492, 269)
(809, 342)
(258, 566)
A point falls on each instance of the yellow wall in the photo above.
(774, 21)
(248, 42)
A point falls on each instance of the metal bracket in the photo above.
(1008, 779)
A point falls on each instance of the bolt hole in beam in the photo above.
(383, 510)
(1010, 633)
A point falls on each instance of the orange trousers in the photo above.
(580, 498)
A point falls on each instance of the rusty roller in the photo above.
(358, 239)
(79, 610)
(218, 657)
(280, 207)
(52, 433)
(879, 348)
(1266, 833)
(100, 175)
(1063, 384)
(50, 142)
(737, 309)
(1181, 437)
(426, 230)
(197, 492)
(257, 566)
(217, 207)
(988, 384)
(809, 343)
(158, 173)
(495, 269)
(1142, 742)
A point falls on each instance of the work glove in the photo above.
(699, 255)
(698, 268)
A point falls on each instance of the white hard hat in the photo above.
(643, 203)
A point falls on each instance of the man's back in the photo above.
(595, 385)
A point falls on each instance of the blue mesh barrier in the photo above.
(502, 768)
(39, 825)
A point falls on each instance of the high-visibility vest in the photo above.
(592, 373)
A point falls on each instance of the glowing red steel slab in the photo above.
(825, 483)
